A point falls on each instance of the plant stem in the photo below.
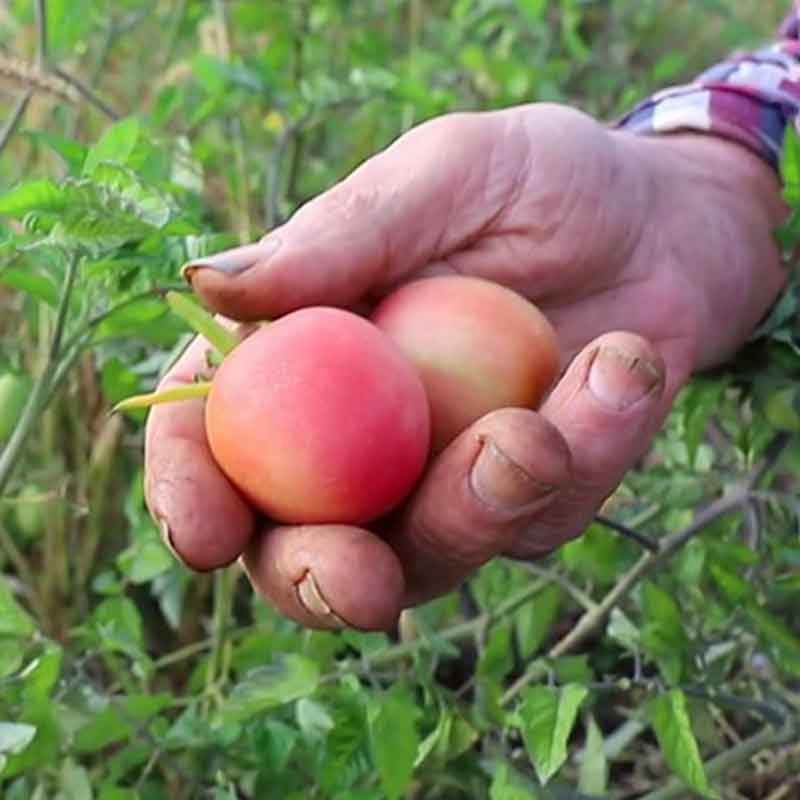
(14, 119)
(41, 31)
(41, 388)
(463, 630)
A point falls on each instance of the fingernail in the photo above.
(501, 483)
(236, 261)
(618, 379)
(312, 600)
(166, 537)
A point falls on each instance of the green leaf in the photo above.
(73, 153)
(790, 166)
(43, 749)
(38, 286)
(508, 784)
(15, 736)
(735, 588)
(42, 675)
(115, 145)
(31, 196)
(119, 625)
(669, 717)
(394, 740)
(594, 765)
(785, 643)
(699, 401)
(75, 783)
(451, 737)
(534, 620)
(622, 630)
(289, 677)
(547, 717)
(14, 620)
(143, 560)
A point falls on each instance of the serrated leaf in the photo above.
(289, 677)
(547, 717)
(394, 740)
(32, 196)
(669, 717)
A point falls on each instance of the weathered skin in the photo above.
(318, 418)
(477, 345)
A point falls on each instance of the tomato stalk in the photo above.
(37, 401)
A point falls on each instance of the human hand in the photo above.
(652, 257)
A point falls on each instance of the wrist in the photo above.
(717, 206)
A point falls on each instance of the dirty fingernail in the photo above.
(501, 483)
(618, 379)
(313, 601)
(236, 261)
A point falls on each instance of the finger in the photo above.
(327, 576)
(608, 406)
(486, 486)
(203, 519)
(399, 211)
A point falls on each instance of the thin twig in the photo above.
(87, 93)
(41, 31)
(16, 117)
(567, 585)
(630, 533)
(31, 76)
(592, 620)
(63, 309)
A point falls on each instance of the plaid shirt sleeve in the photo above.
(749, 98)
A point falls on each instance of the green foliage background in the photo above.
(142, 133)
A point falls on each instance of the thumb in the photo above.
(427, 195)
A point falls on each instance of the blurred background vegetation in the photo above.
(141, 133)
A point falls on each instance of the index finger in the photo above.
(203, 519)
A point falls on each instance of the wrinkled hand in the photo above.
(652, 257)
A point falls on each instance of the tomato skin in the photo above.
(14, 391)
(477, 345)
(317, 417)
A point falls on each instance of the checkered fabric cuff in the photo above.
(750, 98)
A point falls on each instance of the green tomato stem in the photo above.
(187, 392)
(203, 323)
